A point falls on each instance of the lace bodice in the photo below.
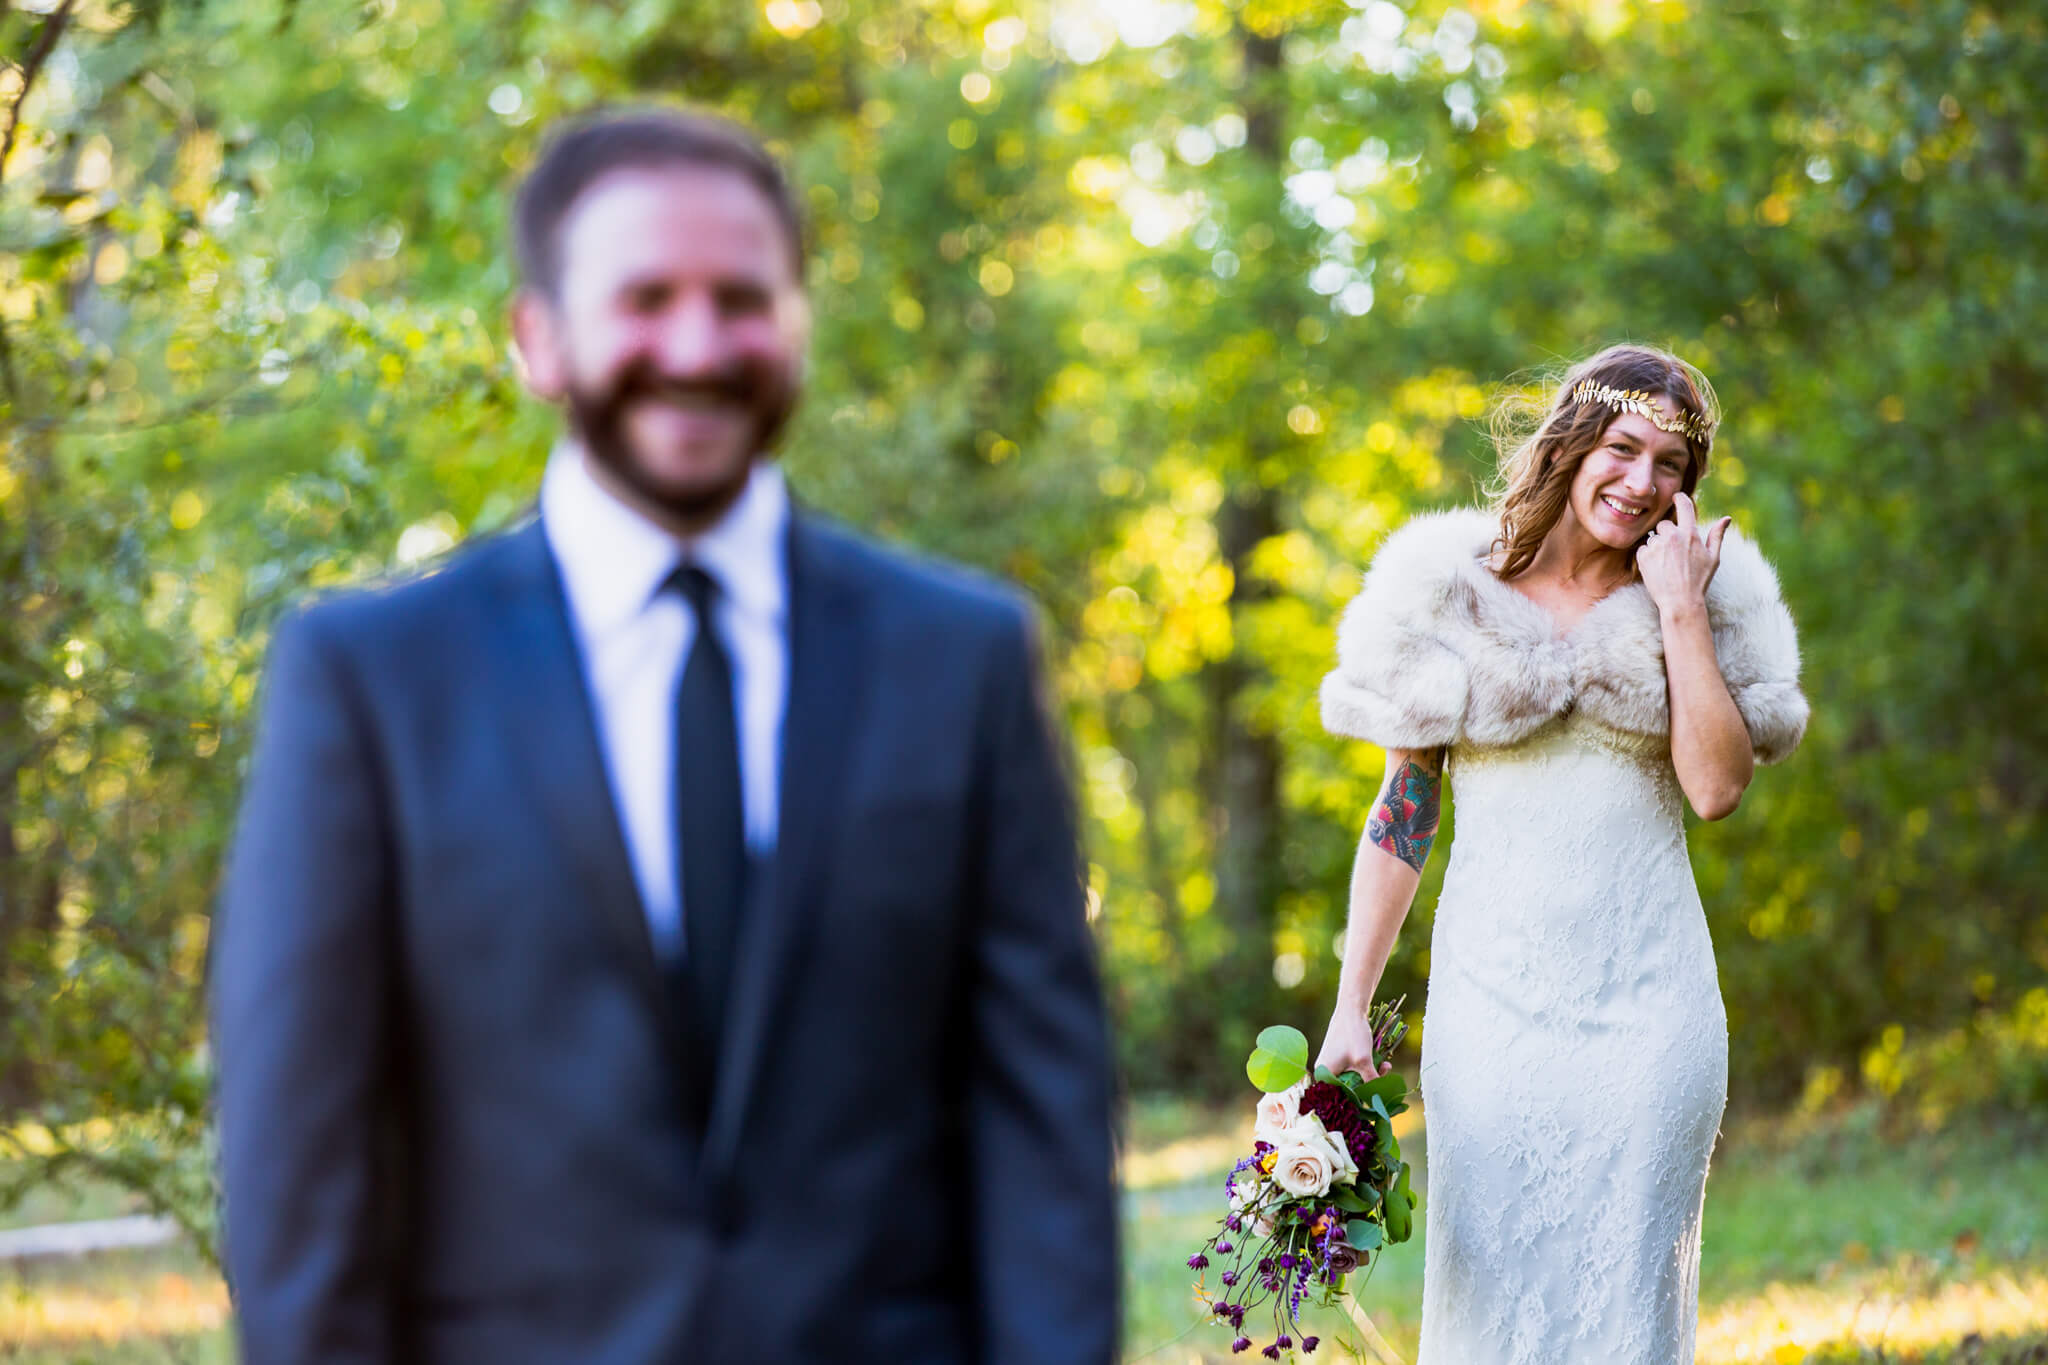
(1567, 848)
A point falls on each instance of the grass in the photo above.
(158, 1307)
(1829, 1245)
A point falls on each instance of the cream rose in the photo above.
(1304, 1165)
(1343, 1170)
(1279, 1112)
(1305, 1128)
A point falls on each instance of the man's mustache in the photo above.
(754, 386)
(738, 385)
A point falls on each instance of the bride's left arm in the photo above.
(1710, 746)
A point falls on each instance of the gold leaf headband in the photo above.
(1644, 404)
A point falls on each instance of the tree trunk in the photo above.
(16, 911)
(1245, 772)
(1247, 763)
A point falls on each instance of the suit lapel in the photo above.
(551, 726)
(827, 647)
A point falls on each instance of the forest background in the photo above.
(1168, 310)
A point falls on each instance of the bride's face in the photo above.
(1628, 482)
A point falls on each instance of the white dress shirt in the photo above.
(634, 637)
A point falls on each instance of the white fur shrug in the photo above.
(1435, 650)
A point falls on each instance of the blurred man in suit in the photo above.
(658, 936)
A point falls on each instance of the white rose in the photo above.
(1247, 1200)
(1304, 1164)
(1343, 1170)
(1307, 1129)
(1279, 1112)
(1303, 1128)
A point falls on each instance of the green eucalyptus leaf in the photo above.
(1279, 1060)
(1400, 1210)
(1364, 1234)
(1390, 1091)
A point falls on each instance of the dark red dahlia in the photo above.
(1340, 1114)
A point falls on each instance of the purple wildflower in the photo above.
(1284, 1343)
(1241, 1344)
(1229, 1278)
(1271, 1353)
(1309, 1344)
(1198, 1262)
(1223, 1247)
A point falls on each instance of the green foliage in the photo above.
(1994, 1062)
(1172, 323)
(1279, 1061)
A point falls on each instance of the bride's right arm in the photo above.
(1391, 856)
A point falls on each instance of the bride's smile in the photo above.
(1630, 481)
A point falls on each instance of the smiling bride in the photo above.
(1578, 660)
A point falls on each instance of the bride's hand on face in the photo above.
(1348, 1046)
(1677, 562)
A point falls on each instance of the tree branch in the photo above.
(46, 43)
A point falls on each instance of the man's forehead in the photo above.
(635, 219)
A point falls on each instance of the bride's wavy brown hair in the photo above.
(1543, 437)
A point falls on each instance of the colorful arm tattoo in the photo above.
(1405, 818)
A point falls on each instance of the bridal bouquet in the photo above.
(1323, 1192)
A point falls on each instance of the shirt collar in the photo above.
(614, 560)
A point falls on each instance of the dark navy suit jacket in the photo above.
(452, 1103)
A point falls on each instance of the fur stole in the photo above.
(1436, 651)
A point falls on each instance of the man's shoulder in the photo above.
(407, 610)
(914, 585)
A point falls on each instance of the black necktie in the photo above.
(710, 825)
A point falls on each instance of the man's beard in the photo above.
(598, 417)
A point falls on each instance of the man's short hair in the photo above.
(597, 144)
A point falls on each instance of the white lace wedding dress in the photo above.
(1575, 1051)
